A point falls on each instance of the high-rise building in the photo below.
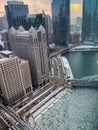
(79, 21)
(16, 13)
(5, 39)
(79, 24)
(61, 21)
(15, 81)
(32, 45)
(75, 38)
(49, 29)
(36, 20)
(1, 44)
(90, 21)
(26, 76)
(3, 23)
(73, 28)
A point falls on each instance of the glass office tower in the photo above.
(90, 21)
(16, 13)
(35, 20)
(61, 21)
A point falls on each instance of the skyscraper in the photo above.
(49, 29)
(13, 78)
(16, 13)
(1, 44)
(3, 23)
(5, 38)
(79, 21)
(36, 20)
(90, 21)
(61, 21)
(32, 46)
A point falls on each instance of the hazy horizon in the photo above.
(39, 5)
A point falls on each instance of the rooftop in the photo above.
(22, 32)
(3, 31)
(4, 59)
(6, 52)
(14, 2)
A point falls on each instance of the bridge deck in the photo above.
(90, 81)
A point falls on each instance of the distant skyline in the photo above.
(36, 6)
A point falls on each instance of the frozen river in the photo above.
(76, 110)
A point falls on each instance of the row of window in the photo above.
(28, 90)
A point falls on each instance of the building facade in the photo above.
(79, 21)
(36, 20)
(90, 21)
(61, 21)
(75, 38)
(49, 29)
(26, 76)
(16, 13)
(3, 23)
(5, 39)
(32, 45)
(12, 76)
(1, 44)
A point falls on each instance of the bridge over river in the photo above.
(90, 81)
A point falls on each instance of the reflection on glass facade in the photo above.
(16, 13)
(61, 21)
(35, 20)
(90, 21)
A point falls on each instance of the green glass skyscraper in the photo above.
(61, 21)
(90, 21)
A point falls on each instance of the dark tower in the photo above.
(61, 21)
(16, 13)
(90, 21)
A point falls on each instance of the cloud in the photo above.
(39, 5)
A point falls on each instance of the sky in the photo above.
(36, 6)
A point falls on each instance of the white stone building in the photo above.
(15, 79)
(32, 46)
